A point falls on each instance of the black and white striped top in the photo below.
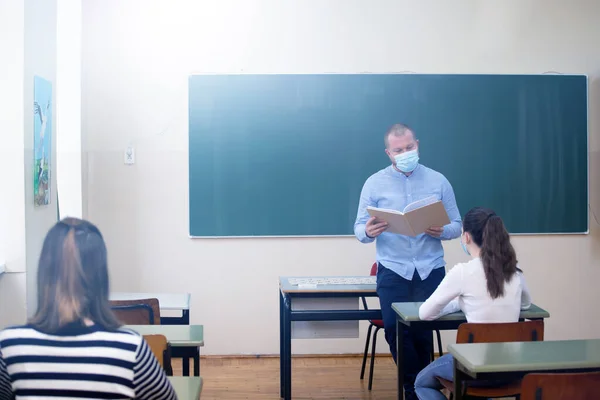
(79, 362)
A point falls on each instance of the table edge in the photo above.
(525, 367)
(458, 316)
(186, 295)
(174, 343)
(190, 343)
(371, 288)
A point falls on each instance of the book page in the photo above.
(425, 217)
(385, 210)
(420, 203)
(397, 222)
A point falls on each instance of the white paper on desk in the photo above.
(416, 217)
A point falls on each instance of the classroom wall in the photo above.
(68, 104)
(137, 56)
(29, 38)
(12, 210)
(40, 59)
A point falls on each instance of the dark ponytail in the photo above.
(497, 253)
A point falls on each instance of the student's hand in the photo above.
(435, 231)
(375, 227)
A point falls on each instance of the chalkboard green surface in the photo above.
(287, 155)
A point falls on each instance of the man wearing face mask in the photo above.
(409, 268)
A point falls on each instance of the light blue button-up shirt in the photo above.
(391, 189)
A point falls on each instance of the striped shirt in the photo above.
(79, 362)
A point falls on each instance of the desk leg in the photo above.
(197, 362)
(281, 348)
(287, 345)
(185, 363)
(458, 383)
(400, 358)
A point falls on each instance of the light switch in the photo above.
(129, 155)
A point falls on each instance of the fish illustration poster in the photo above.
(42, 140)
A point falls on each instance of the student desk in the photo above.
(186, 388)
(514, 360)
(289, 292)
(185, 341)
(408, 314)
(167, 301)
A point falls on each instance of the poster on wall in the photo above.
(42, 140)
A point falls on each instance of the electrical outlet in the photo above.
(129, 155)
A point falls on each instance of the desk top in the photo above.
(2, 268)
(528, 356)
(167, 301)
(410, 312)
(177, 335)
(186, 387)
(287, 287)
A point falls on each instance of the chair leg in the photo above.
(439, 342)
(373, 357)
(432, 355)
(364, 362)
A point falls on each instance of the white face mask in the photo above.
(407, 161)
(464, 246)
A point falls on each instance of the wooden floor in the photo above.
(313, 378)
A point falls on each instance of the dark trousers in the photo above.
(418, 344)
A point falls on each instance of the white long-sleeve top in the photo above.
(465, 288)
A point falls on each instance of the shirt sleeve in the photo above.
(525, 294)
(362, 216)
(6, 392)
(441, 301)
(150, 381)
(454, 228)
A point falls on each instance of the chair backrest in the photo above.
(374, 269)
(578, 386)
(158, 345)
(162, 351)
(137, 312)
(526, 331)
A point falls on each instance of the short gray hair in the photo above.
(398, 130)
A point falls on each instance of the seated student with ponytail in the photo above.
(74, 347)
(488, 289)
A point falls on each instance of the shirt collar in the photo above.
(399, 174)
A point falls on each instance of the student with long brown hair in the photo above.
(74, 347)
(488, 289)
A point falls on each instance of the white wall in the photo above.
(12, 212)
(29, 44)
(40, 60)
(12, 209)
(68, 106)
(137, 56)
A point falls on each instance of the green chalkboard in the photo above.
(287, 155)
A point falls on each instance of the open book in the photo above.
(416, 217)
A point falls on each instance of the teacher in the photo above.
(409, 268)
